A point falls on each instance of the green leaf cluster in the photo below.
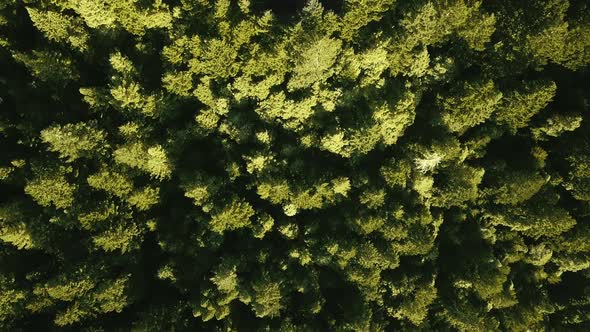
(317, 165)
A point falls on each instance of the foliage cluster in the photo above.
(341, 165)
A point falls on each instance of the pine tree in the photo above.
(60, 28)
(469, 105)
(73, 141)
(50, 187)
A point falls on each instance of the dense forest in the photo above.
(319, 165)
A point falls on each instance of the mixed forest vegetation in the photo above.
(257, 165)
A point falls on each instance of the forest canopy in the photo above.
(319, 165)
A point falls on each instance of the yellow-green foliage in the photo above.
(73, 141)
(313, 165)
(266, 299)
(123, 237)
(152, 160)
(469, 105)
(112, 182)
(50, 187)
(519, 106)
(60, 28)
(233, 216)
